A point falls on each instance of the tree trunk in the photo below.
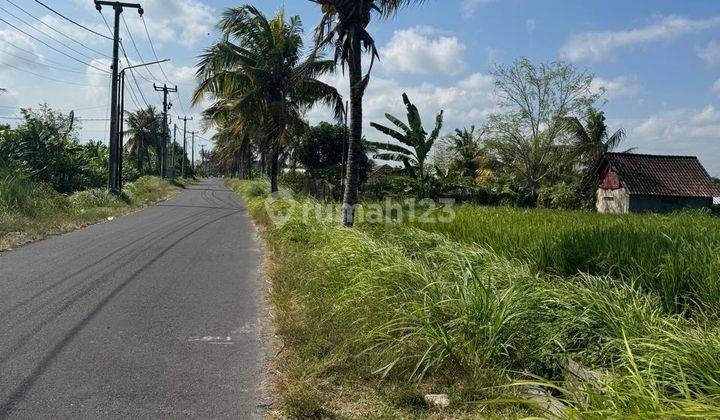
(249, 163)
(158, 150)
(352, 174)
(274, 158)
(138, 157)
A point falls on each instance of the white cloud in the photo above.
(16, 49)
(470, 6)
(597, 46)
(181, 21)
(74, 31)
(178, 21)
(710, 53)
(530, 25)
(680, 131)
(467, 101)
(423, 50)
(716, 86)
(615, 88)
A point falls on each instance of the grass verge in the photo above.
(375, 317)
(29, 211)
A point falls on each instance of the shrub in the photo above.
(559, 196)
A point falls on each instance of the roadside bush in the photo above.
(45, 147)
(16, 189)
(559, 196)
(30, 210)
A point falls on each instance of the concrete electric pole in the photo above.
(114, 167)
(192, 151)
(185, 120)
(172, 152)
(164, 170)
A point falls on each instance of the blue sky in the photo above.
(658, 60)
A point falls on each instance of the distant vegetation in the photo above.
(45, 148)
(50, 182)
(30, 210)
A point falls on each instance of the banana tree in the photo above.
(414, 143)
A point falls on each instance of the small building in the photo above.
(379, 171)
(636, 183)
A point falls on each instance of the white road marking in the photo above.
(210, 339)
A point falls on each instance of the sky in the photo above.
(658, 60)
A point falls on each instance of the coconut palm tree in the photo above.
(466, 150)
(593, 139)
(260, 82)
(344, 27)
(144, 132)
(415, 144)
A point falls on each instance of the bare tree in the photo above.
(527, 139)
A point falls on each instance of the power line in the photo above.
(142, 60)
(167, 79)
(32, 53)
(152, 47)
(37, 63)
(45, 34)
(85, 108)
(78, 117)
(51, 47)
(132, 73)
(70, 20)
(57, 31)
(132, 40)
(46, 77)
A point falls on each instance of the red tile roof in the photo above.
(682, 176)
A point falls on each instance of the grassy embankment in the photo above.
(29, 211)
(372, 318)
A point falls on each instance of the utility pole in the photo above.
(192, 151)
(164, 172)
(185, 120)
(202, 159)
(114, 166)
(121, 116)
(172, 152)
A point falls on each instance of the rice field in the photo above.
(676, 257)
(372, 318)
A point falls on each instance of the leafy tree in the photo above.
(144, 129)
(260, 82)
(343, 27)
(45, 147)
(233, 154)
(415, 144)
(527, 139)
(4, 126)
(321, 153)
(593, 139)
(466, 148)
(94, 157)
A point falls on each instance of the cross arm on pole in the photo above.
(118, 5)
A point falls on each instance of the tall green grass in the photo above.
(675, 256)
(29, 210)
(406, 304)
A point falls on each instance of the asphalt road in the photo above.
(157, 314)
